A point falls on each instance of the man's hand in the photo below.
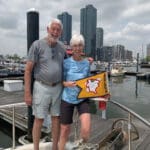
(27, 79)
(90, 59)
(28, 98)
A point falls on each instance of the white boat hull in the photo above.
(43, 146)
(117, 72)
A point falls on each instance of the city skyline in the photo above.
(124, 22)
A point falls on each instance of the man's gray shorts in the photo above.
(46, 99)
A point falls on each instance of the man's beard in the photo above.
(52, 38)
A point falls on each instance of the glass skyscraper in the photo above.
(99, 42)
(99, 37)
(66, 20)
(88, 22)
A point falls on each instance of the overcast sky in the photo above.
(125, 22)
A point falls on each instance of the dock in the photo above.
(8, 98)
(145, 65)
(144, 76)
(101, 128)
(131, 73)
(11, 78)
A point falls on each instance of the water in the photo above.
(6, 134)
(131, 93)
(123, 90)
(5, 140)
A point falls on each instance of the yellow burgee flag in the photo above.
(93, 86)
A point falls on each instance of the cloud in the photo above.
(137, 30)
(133, 36)
(124, 21)
(8, 21)
(138, 12)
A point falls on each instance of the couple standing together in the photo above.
(55, 89)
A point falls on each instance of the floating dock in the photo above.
(144, 76)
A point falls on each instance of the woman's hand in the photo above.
(69, 83)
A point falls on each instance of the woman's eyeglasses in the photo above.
(77, 45)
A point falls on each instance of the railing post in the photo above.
(102, 106)
(104, 114)
(13, 127)
(129, 131)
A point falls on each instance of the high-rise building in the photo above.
(66, 20)
(128, 55)
(118, 52)
(106, 54)
(88, 22)
(99, 37)
(99, 42)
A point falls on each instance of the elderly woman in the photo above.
(75, 68)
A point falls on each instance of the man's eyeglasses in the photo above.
(53, 53)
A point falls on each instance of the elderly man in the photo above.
(45, 59)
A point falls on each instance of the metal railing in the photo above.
(13, 119)
(147, 123)
(130, 112)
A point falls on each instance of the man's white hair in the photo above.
(77, 39)
(56, 21)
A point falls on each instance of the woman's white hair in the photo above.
(77, 39)
(56, 21)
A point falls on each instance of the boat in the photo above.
(131, 133)
(116, 71)
(42, 146)
(10, 73)
(145, 65)
(3, 73)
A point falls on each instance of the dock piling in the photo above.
(32, 35)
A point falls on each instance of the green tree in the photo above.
(16, 58)
(148, 58)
